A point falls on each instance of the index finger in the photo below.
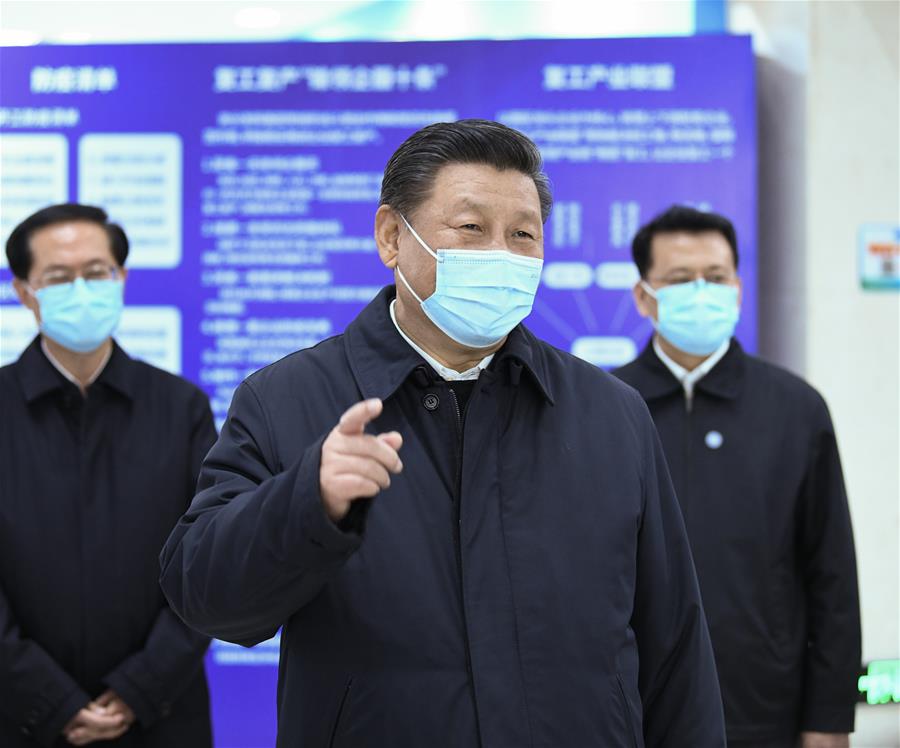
(357, 416)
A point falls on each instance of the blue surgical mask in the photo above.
(480, 295)
(696, 317)
(82, 314)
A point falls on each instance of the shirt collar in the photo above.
(67, 374)
(653, 379)
(38, 376)
(689, 378)
(444, 372)
(381, 360)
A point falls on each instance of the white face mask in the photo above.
(480, 295)
(696, 317)
(82, 314)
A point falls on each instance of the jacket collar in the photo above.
(524, 350)
(121, 373)
(38, 377)
(381, 360)
(726, 377)
(654, 380)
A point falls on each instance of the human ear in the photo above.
(643, 301)
(387, 236)
(26, 297)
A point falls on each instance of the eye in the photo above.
(56, 279)
(523, 235)
(471, 227)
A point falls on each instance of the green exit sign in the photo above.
(880, 682)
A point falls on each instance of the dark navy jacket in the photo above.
(756, 468)
(526, 581)
(90, 488)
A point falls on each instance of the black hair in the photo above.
(18, 249)
(679, 218)
(410, 173)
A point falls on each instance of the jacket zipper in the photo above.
(82, 511)
(457, 538)
(688, 467)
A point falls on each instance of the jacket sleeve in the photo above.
(36, 694)
(832, 598)
(154, 677)
(256, 544)
(677, 678)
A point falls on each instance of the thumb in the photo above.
(105, 698)
(392, 438)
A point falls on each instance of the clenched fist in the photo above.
(356, 465)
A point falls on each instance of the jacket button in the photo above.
(431, 402)
(714, 439)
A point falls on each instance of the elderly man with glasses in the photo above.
(98, 458)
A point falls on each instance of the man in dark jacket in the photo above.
(522, 577)
(100, 455)
(755, 465)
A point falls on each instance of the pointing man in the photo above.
(469, 537)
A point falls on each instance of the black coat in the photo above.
(89, 490)
(767, 516)
(539, 591)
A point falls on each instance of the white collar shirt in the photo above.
(67, 374)
(687, 378)
(444, 372)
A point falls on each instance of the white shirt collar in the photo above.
(65, 372)
(446, 373)
(687, 378)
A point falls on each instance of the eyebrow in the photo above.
(67, 267)
(683, 269)
(468, 203)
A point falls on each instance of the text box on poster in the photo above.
(34, 173)
(137, 179)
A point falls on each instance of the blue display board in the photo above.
(247, 177)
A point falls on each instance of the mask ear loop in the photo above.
(425, 247)
(408, 287)
(651, 292)
(419, 238)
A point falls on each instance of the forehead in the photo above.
(458, 186)
(69, 243)
(676, 249)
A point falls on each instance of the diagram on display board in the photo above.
(247, 178)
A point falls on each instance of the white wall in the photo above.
(829, 127)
